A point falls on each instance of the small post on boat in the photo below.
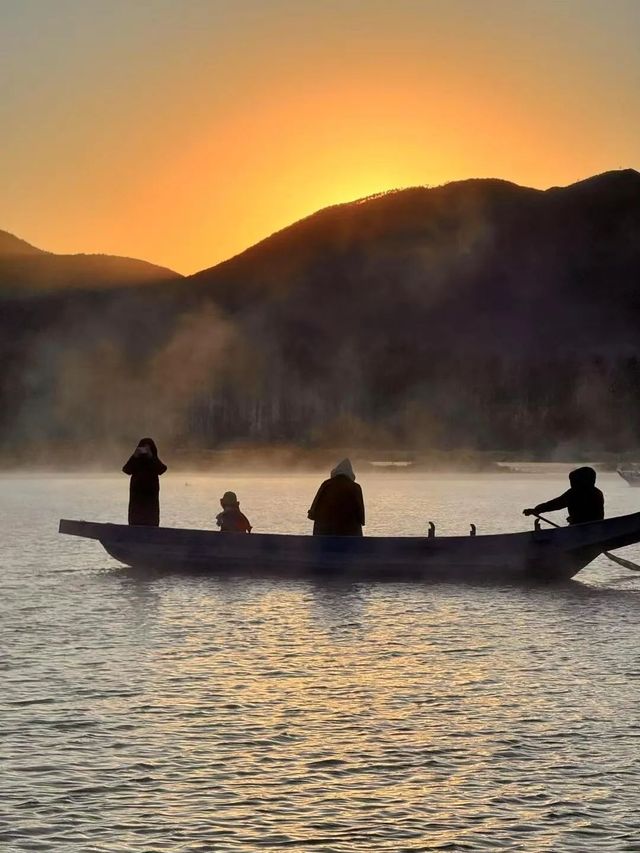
(536, 524)
(472, 531)
(432, 530)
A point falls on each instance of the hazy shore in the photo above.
(290, 459)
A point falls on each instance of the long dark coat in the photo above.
(144, 489)
(338, 508)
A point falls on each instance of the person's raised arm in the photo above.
(560, 502)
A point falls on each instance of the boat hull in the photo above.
(544, 555)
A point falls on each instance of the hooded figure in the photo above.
(144, 467)
(583, 500)
(338, 507)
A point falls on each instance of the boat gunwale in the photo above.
(567, 538)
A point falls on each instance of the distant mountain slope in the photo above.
(488, 256)
(479, 314)
(12, 245)
(24, 268)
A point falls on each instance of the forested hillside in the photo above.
(478, 314)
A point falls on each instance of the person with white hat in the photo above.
(338, 507)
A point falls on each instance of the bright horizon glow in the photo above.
(184, 131)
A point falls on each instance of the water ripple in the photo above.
(150, 712)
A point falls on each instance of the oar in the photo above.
(626, 564)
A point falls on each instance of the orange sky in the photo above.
(182, 131)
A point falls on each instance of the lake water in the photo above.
(190, 713)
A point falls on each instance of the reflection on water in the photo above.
(167, 712)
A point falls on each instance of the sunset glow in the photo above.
(183, 132)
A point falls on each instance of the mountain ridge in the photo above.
(603, 177)
(26, 268)
(12, 245)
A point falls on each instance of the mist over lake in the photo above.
(146, 711)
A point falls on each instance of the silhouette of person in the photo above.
(584, 501)
(144, 467)
(231, 519)
(338, 507)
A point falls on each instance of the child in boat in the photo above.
(231, 520)
(583, 500)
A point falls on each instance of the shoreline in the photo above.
(288, 460)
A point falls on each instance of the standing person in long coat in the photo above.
(144, 467)
(338, 507)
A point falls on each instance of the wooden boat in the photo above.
(545, 555)
(631, 475)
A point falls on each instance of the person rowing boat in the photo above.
(584, 501)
